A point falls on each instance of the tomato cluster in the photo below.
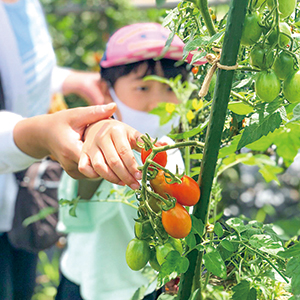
(163, 221)
(267, 32)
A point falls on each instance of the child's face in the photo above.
(142, 95)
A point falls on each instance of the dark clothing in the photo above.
(14, 264)
(68, 290)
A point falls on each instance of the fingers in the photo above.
(118, 162)
(84, 116)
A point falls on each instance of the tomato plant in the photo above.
(137, 254)
(177, 221)
(160, 158)
(267, 85)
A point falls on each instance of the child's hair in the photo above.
(112, 74)
(141, 43)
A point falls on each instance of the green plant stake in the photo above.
(190, 281)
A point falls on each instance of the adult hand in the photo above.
(107, 152)
(59, 134)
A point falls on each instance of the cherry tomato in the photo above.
(137, 254)
(284, 65)
(286, 7)
(159, 184)
(187, 192)
(261, 57)
(177, 221)
(153, 260)
(154, 204)
(160, 158)
(291, 88)
(251, 30)
(195, 70)
(284, 29)
(162, 251)
(143, 230)
(267, 85)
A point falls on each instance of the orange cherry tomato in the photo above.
(176, 221)
(187, 192)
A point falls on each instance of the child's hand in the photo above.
(107, 152)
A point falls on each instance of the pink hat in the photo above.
(139, 42)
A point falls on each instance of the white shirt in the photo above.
(27, 60)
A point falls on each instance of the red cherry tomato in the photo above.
(187, 192)
(160, 158)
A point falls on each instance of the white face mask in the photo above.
(143, 121)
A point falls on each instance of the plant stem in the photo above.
(203, 7)
(230, 51)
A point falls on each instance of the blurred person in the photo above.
(29, 76)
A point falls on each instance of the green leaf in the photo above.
(287, 140)
(293, 271)
(174, 265)
(218, 229)
(240, 108)
(262, 144)
(227, 245)
(296, 113)
(255, 131)
(42, 214)
(265, 243)
(214, 262)
(139, 293)
(225, 151)
(189, 133)
(198, 225)
(290, 252)
(236, 224)
(241, 290)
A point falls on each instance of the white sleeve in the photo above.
(12, 159)
(59, 75)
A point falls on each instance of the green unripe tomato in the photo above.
(283, 39)
(251, 29)
(286, 7)
(137, 254)
(285, 65)
(291, 88)
(267, 86)
(143, 230)
(153, 260)
(261, 57)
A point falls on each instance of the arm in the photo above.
(59, 134)
(83, 84)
